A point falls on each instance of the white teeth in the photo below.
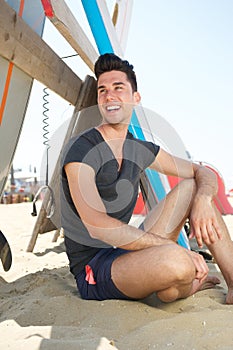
(112, 108)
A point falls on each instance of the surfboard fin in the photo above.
(5, 252)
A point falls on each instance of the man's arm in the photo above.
(204, 225)
(100, 225)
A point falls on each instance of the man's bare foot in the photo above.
(229, 298)
(209, 282)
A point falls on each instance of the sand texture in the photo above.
(40, 307)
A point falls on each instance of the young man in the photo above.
(100, 176)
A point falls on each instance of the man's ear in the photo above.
(137, 97)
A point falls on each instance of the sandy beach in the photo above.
(41, 308)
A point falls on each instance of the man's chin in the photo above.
(115, 123)
(115, 120)
(112, 120)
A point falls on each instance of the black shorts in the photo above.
(95, 282)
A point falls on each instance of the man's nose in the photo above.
(109, 95)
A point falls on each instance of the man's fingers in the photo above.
(199, 237)
(200, 264)
(196, 233)
(214, 232)
(202, 270)
(205, 234)
(208, 232)
(211, 233)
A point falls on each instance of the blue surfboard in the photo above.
(107, 42)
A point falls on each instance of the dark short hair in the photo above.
(109, 62)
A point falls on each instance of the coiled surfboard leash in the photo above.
(46, 143)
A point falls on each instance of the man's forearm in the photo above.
(122, 235)
(145, 240)
(206, 181)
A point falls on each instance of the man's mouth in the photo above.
(112, 108)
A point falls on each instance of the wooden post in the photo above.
(20, 45)
(80, 121)
(65, 22)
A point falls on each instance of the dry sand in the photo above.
(40, 307)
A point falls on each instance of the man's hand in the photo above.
(200, 265)
(203, 221)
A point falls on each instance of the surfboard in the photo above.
(15, 89)
(5, 253)
(121, 20)
(107, 42)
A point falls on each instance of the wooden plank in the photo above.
(22, 46)
(65, 22)
(81, 120)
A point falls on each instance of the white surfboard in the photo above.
(15, 89)
(121, 20)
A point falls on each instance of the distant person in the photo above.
(100, 178)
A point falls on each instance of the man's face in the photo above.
(115, 97)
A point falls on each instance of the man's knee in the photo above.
(182, 271)
(182, 267)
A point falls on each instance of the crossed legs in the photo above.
(168, 269)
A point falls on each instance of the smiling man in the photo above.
(101, 170)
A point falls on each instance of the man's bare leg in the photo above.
(166, 269)
(222, 251)
(169, 215)
(185, 195)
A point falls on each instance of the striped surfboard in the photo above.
(107, 41)
(15, 89)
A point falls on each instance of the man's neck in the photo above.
(114, 135)
(113, 131)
